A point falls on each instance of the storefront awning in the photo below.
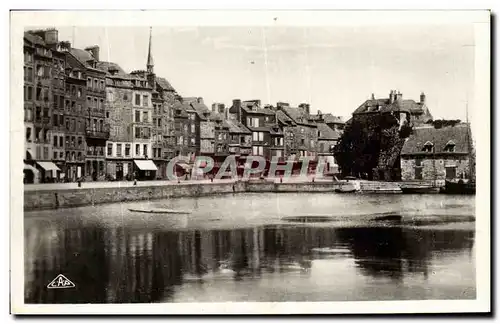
(48, 166)
(146, 165)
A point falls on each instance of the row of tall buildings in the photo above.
(88, 118)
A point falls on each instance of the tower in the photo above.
(150, 63)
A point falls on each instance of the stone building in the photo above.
(222, 139)
(96, 127)
(185, 128)
(416, 112)
(436, 154)
(303, 136)
(259, 121)
(240, 139)
(119, 116)
(42, 74)
(205, 131)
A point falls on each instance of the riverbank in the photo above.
(86, 196)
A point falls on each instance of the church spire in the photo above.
(150, 63)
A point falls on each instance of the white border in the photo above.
(481, 21)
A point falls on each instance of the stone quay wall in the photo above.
(67, 198)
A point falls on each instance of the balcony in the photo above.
(97, 134)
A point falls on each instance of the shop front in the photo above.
(145, 169)
(48, 171)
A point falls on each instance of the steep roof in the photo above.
(408, 105)
(439, 137)
(183, 107)
(298, 115)
(283, 118)
(326, 118)
(237, 127)
(108, 66)
(326, 133)
(35, 39)
(164, 84)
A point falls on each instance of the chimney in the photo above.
(320, 113)
(391, 96)
(373, 96)
(51, 37)
(214, 107)
(237, 106)
(221, 108)
(200, 100)
(94, 50)
(305, 107)
(280, 104)
(422, 98)
(399, 96)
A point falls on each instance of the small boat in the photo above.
(159, 211)
(419, 189)
(345, 190)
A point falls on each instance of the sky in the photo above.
(334, 69)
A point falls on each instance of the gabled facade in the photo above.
(436, 154)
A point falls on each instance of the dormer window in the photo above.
(450, 146)
(428, 147)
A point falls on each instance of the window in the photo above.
(89, 102)
(418, 162)
(95, 103)
(428, 147)
(79, 94)
(261, 136)
(137, 99)
(107, 114)
(110, 149)
(61, 120)
(159, 122)
(137, 149)
(125, 97)
(96, 84)
(192, 141)
(89, 82)
(118, 150)
(55, 141)
(145, 100)
(192, 127)
(102, 85)
(418, 173)
(61, 143)
(80, 142)
(159, 152)
(28, 134)
(101, 103)
(145, 118)
(45, 153)
(279, 153)
(127, 150)
(451, 172)
(450, 146)
(145, 149)
(137, 116)
(54, 155)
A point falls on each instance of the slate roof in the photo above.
(439, 137)
(298, 115)
(326, 118)
(237, 127)
(35, 39)
(107, 66)
(183, 107)
(283, 118)
(407, 105)
(326, 133)
(164, 84)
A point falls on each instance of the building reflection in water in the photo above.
(124, 265)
